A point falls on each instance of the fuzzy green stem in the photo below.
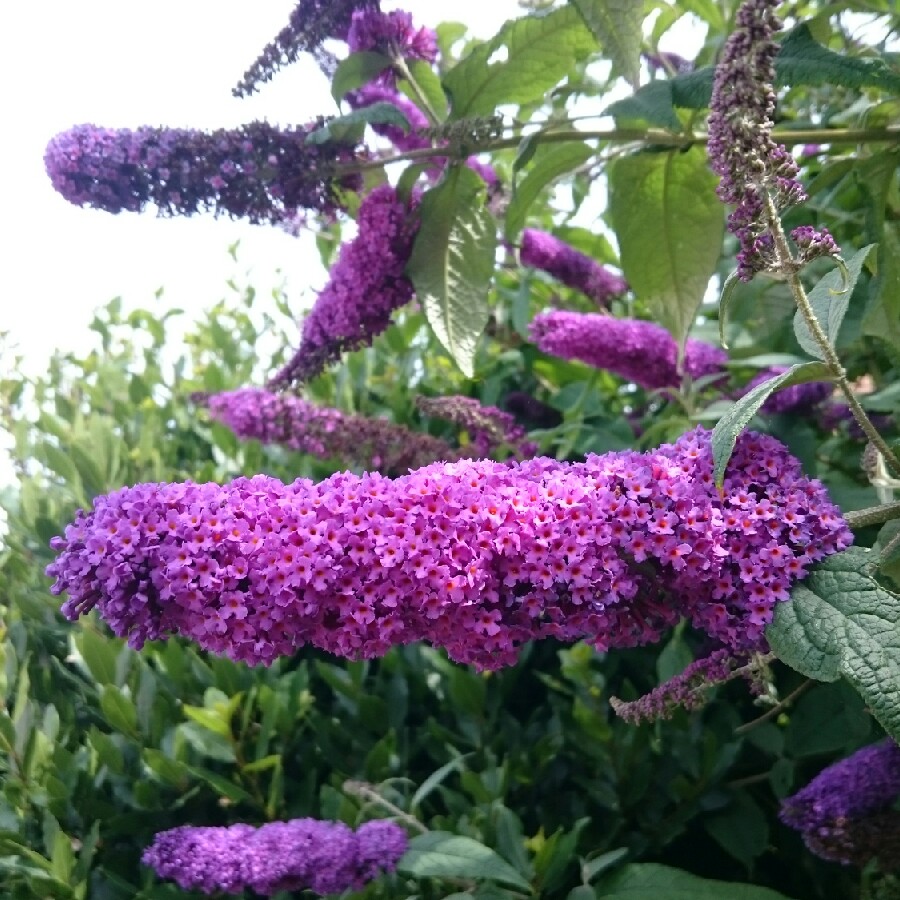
(400, 65)
(789, 267)
(873, 515)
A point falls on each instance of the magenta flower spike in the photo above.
(477, 557)
(301, 854)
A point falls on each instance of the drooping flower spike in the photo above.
(642, 352)
(300, 854)
(477, 557)
(257, 172)
(541, 250)
(845, 813)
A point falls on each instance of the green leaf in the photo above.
(551, 161)
(669, 224)
(98, 652)
(345, 128)
(841, 623)
(729, 427)
(430, 87)
(617, 26)
(649, 881)
(439, 854)
(452, 263)
(830, 299)
(355, 71)
(826, 720)
(221, 785)
(539, 52)
(741, 829)
(653, 103)
(436, 778)
(118, 710)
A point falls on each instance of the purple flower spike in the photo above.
(256, 172)
(642, 352)
(311, 23)
(477, 557)
(301, 854)
(741, 150)
(392, 34)
(289, 420)
(366, 285)
(797, 398)
(844, 813)
(574, 269)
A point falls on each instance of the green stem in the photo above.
(788, 266)
(873, 515)
(400, 65)
(656, 137)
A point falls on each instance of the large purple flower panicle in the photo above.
(642, 352)
(392, 34)
(311, 23)
(845, 813)
(293, 422)
(478, 557)
(741, 148)
(542, 250)
(258, 172)
(489, 428)
(366, 285)
(796, 398)
(301, 854)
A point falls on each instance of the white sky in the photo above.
(124, 64)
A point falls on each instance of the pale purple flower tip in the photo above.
(301, 854)
(542, 250)
(477, 557)
(844, 813)
(365, 286)
(642, 352)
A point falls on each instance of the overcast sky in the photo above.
(123, 64)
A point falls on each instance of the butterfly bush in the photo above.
(753, 167)
(257, 171)
(642, 352)
(392, 34)
(365, 285)
(477, 557)
(488, 427)
(300, 854)
(541, 250)
(796, 398)
(845, 813)
(295, 423)
(311, 23)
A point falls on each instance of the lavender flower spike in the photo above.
(310, 24)
(295, 423)
(542, 250)
(642, 352)
(366, 285)
(256, 171)
(753, 167)
(844, 813)
(301, 854)
(477, 557)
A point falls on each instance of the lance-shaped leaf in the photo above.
(440, 854)
(527, 58)
(452, 263)
(340, 127)
(355, 71)
(669, 224)
(729, 427)
(830, 299)
(617, 26)
(650, 881)
(841, 623)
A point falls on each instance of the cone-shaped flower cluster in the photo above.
(476, 557)
(365, 286)
(488, 427)
(301, 854)
(542, 250)
(257, 172)
(845, 813)
(741, 150)
(392, 34)
(642, 352)
(796, 398)
(311, 23)
(293, 422)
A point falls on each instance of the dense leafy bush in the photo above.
(520, 781)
